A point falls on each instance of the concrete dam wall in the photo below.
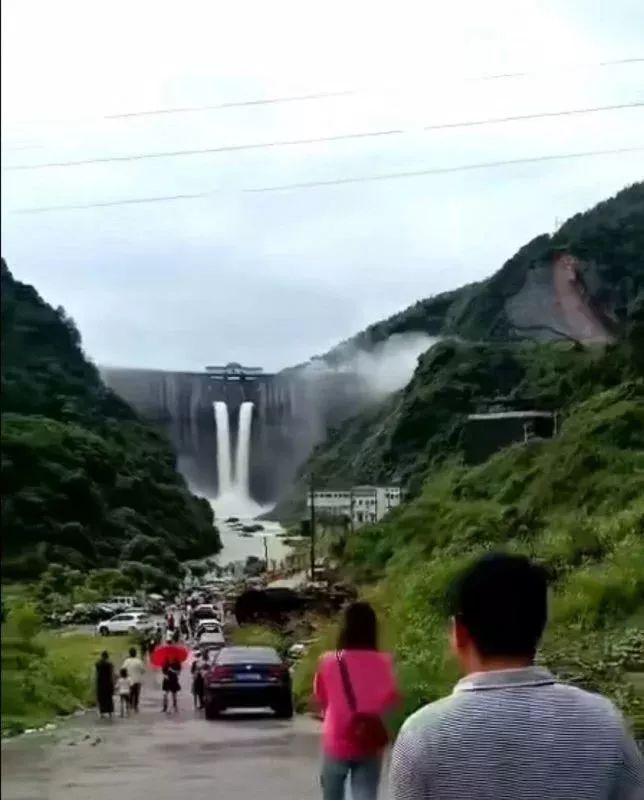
(290, 415)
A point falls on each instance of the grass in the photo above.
(49, 675)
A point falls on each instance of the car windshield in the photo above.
(254, 655)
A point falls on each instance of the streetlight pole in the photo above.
(312, 495)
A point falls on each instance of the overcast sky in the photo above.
(272, 278)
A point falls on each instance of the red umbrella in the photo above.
(165, 653)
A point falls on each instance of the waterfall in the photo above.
(224, 464)
(242, 461)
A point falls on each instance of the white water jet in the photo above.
(242, 460)
(224, 462)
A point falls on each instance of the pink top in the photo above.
(374, 685)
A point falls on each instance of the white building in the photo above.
(360, 504)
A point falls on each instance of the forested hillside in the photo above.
(405, 436)
(574, 502)
(608, 240)
(85, 483)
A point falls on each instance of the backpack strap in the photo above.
(346, 681)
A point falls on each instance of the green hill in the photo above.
(608, 240)
(85, 483)
(574, 502)
(485, 362)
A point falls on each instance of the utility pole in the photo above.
(312, 495)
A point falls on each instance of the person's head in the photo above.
(123, 672)
(105, 655)
(132, 652)
(499, 611)
(359, 628)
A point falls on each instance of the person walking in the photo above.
(135, 671)
(355, 686)
(105, 685)
(123, 689)
(198, 682)
(171, 685)
(510, 730)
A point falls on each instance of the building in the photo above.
(485, 434)
(359, 505)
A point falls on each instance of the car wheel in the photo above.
(131, 631)
(284, 709)
(212, 709)
(104, 631)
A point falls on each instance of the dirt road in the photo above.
(154, 756)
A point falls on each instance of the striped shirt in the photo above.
(516, 735)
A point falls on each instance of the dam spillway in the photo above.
(277, 418)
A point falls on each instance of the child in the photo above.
(123, 690)
(171, 684)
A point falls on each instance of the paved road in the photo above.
(154, 756)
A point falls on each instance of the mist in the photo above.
(390, 366)
(385, 369)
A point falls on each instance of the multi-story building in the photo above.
(359, 505)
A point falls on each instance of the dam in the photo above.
(237, 429)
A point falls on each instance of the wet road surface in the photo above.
(154, 756)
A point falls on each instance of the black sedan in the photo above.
(249, 677)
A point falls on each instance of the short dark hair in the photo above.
(359, 629)
(502, 601)
(123, 672)
(132, 652)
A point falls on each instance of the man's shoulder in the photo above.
(569, 700)
(431, 716)
(578, 700)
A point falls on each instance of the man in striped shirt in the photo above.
(510, 731)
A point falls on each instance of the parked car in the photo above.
(211, 639)
(124, 623)
(249, 677)
(209, 625)
(205, 611)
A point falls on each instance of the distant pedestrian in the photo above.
(105, 685)
(170, 621)
(510, 730)
(198, 683)
(171, 686)
(355, 686)
(123, 688)
(135, 671)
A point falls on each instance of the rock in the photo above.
(49, 727)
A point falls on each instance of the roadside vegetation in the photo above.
(574, 503)
(45, 674)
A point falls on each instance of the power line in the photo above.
(337, 181)
(319, 139)
(346, 92)
(445, 170)
(329, 95)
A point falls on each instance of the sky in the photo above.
(271, 278)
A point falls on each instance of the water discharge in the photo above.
(233, 497)
(242, 460)
(224, 463)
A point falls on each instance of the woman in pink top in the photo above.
(375, 691)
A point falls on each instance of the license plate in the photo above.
(249, 676)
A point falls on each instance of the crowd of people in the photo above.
(126, 683)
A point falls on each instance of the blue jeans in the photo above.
(364, 776)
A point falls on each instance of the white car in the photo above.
(211, 639)
(127, 622)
